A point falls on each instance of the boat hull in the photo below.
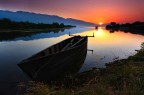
(57, 65)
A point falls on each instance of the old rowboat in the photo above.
(62, 58)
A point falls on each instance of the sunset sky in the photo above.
(96, 11)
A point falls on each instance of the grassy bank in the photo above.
(122, 77)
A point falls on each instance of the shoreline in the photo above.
(13, 34)
(33, 30)
(121, 77)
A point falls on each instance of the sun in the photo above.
(100, 23)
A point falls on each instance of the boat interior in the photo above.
(62, 46)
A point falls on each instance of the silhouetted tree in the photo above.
(55, 24)
(113, 23)
(5, 23)
(61, 25)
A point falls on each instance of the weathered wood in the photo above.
(51, 63)
(81, 36)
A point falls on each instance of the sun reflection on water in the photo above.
(99, 32)
(107, 46)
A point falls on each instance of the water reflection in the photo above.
(33, 35)
(126, 30)
(107, 46)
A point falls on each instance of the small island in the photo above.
(135, 28)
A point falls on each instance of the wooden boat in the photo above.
(62, 58)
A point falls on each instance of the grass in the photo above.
(122, 77)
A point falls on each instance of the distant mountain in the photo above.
(41, 18)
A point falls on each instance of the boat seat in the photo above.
(71, 44)
(68, 45)
(77, 42)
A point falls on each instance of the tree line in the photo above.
(135, 28)
(6, 23)
(135, 25)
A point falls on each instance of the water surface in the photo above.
(106, 47)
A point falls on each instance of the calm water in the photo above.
(106, 46)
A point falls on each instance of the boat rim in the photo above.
(25, 60)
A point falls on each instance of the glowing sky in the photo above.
(97, 11)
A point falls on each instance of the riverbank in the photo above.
(122, 77)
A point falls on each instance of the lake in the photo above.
(107, 46)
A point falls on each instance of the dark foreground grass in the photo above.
(122, 77)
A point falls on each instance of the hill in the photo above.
(41, 18)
